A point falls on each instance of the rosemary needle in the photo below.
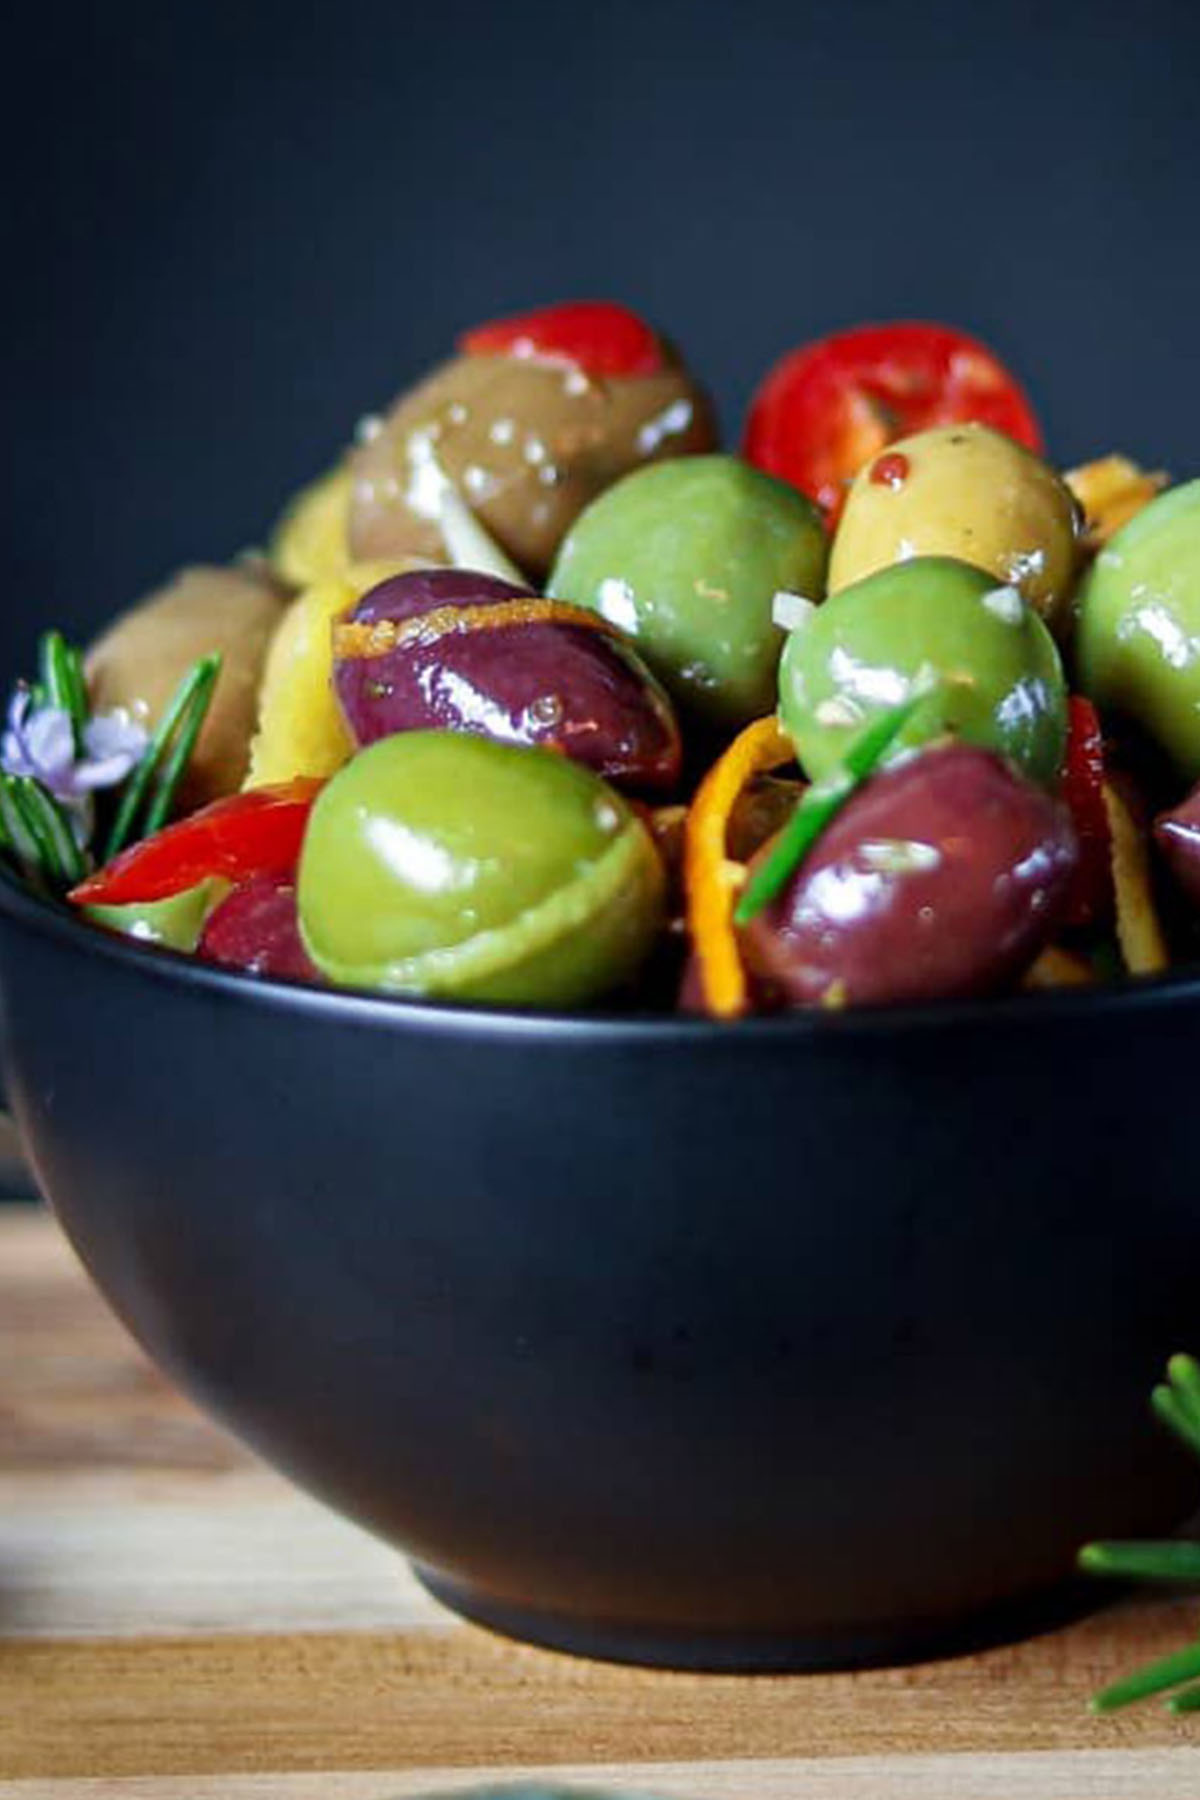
(1176, 1412)
(1165, 1561)
(1155, 1678)
(184, 715)
(61, 671)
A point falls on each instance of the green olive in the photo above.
(970, 493)
(1137, 641)
(994, 671)
(438, 862)
(175, 922)
(687, 556)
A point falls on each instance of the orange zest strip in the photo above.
(1111, 491)
(354, 638)
(710, 879)
(1139, 933)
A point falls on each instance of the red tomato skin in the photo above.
(597, 336)
(258, 832)
(1091, 896)
(827, 408)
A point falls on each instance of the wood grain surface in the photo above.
(177, 1622)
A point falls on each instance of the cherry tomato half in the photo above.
(827, 408)
(598, 336)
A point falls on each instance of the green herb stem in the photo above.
(1155, 1678)
(1166, 1561)
(61, 672)
(1177, 1415)
(184, 716)
(818, 806)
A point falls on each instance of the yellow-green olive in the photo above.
(441, 863)
(966, 492)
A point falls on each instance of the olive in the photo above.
(255, 928)
(527, 443)
(967, 492)
(993, 669)
(175, 922)
(1137, 642)
(687, 558)
(300, 727)
(441, 863)
(943, 875)
(1177, 834)
(490, 658)
(140, 659)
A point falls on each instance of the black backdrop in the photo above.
(233, 229)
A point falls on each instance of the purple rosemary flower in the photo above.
(39, 742)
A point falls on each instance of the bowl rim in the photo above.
(462, 1018)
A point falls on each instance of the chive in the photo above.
(199, 680)
(818, 807)
(1167, 1561)
(1155, 1678)
(191, 724)
(1177, 1416)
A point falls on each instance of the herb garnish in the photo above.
(1177, 1403)
(62, 766)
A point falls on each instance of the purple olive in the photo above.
(255, 928)
(1177, 834)
(944, 875)
(528, 671)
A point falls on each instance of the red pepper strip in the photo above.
(255, 833)
(597, 336)
(1091, 896)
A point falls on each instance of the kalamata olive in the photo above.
(1177, 834)
(999, 682)
(687, 558)
(1137, 641)
(942, 876)
(438, 862)
(256, 928)
(968, 492)
(476, 654)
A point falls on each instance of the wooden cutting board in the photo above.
(177, 1621)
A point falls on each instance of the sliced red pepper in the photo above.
(1091, 895)
(598, 336)
(256, 833)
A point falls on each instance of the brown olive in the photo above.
(139, 660)
(451, 649)
(943, 876)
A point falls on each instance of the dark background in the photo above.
(232, 230)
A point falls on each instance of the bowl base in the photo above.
(781, 1652)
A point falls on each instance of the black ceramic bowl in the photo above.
(803, 1341)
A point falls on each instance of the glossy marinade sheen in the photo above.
(992, 666)
(687, 558)
(542, 682)
(942, 877)
(443, 863)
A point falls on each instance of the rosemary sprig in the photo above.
(1177, 1403)
(157, 775)
(818, 805)
(39, 833)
